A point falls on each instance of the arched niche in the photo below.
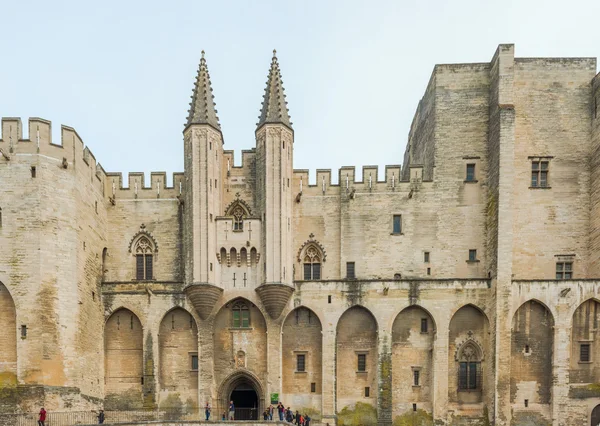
(123, 360)
(531, 354)
(413, 334)
(469, 357)
(239, 326)
(178, 351)
(8, 338)
(585, 347)
(302, 357)
(356, 357)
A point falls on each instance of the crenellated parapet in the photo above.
(348, 183)
(138, 188)
(70, 152)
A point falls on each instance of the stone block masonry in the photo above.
(459, 288)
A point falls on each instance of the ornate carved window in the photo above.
(312, 264)
(311, 255)
(238, 210)
(240, 315)
(144, 259)
(469, 367)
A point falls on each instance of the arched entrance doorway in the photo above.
(244, 389)
(596, 416)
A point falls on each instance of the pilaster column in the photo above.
(440, 372)
(384, 378)
(560, 367)
(274, 371)
(150, 368)
(328, 391)
(207, 388)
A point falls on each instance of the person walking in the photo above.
(101, 417)
(270, 412)
(280, 411)
(297, 417)
(42, 417)
(231, 410)
(207, 411)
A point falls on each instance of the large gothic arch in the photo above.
(232, 381)
(8, 337)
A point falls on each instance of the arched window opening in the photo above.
(233, 255)
(223, 256)
(144, 259)
(243, 256)
(238, 219)
(238, 210)
(469, 367)
(240, 315)
(253, 256)
(312, 264)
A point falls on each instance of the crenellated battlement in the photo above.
(72, 152)
(137, 187)
(348, 181)
(248, 156)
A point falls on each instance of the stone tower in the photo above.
(274, 170)
(203, 151)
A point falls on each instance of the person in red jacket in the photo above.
(42, 418)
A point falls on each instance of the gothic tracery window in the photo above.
(312, 264)
(469, 367)
(238, 218)
(144, 251)
(240, 315)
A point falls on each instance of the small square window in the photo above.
(564, 270)
(416, 377)
(194, 362)
(584, 352)
(313, 387)
(539, 173)
(424, 325)
(362, 363)
(426, 257)
(470, 173)
(472, 255)
(350, 271)
(367, 392)
(397, 224)
(301, 363)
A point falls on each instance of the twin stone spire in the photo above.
(274, 106)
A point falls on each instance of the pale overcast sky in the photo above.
(121, 72)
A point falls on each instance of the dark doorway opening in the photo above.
(246, 403)
(596, 416)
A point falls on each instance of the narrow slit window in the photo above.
(313, 387)
(424, 325)
(33, 172)
(416, 377)
(397, 224)
(426, 257)
(470, 173)
(367, 392)
(194, 362)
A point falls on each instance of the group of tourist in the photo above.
(287, 414)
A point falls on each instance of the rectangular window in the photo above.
(564, 270)
(397, 224)
(350, 271)
(301, 362)
(428, 271)
(539, 174)
(468, 375)
(584, 352)
(245, 318)
(33, 172)
(148, 267)
(426, 257)
(424, 325)
(194, 359)
(139, 267)
(470, 173)
(367, 392)
(313, 387)
(312, 271)
(362, 363)
(416, 377)
(472, 255)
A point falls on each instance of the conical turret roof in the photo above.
(202, 108)
(274, 107)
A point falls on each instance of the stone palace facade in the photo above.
(460, 288)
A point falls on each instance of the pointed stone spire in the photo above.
(274, 107)
(202, 108)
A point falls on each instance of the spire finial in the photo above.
(202, 108)
(274, 107)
